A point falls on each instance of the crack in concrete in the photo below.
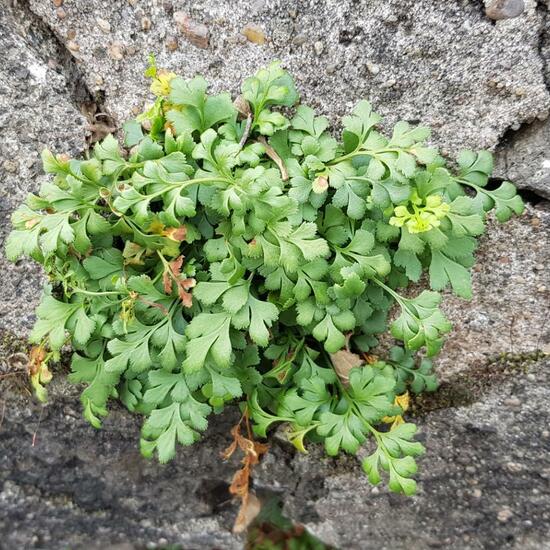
(27, 19)
(78, 92)
(511, 135)
(472, 385)
(544, 37)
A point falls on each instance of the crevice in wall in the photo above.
(51, 50)
(46, 44)
(544, 41)
(469, 387)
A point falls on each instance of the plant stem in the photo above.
(388, 290)
(362, 153)
(91, 293)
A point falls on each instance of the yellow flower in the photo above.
(423, 218)
(161, 83)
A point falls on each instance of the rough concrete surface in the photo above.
(524, 156)
(38, 108)
(483, 484)
(78, 488)
(478, 83)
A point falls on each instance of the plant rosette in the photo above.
(229, 253)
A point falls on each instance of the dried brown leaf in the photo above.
(177, 234)
(228, 453)
(171, 275)
(241, 480)
(36, 357)
(240, 484)
(188, 283)
(370, 359)
(242, 106)
(250, 508)
(167, 282)
(274, 156)
(343, 361)
(185, 297)
(175, 265)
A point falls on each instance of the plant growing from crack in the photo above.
(228, 253)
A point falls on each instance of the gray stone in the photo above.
(373, 69)
(479, 483)
(507, 313)
(84, 489)
(489, 506)
(451, 44)
(522, 154)
(441, 55)
(39, 95)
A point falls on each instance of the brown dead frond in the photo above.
(240, 485)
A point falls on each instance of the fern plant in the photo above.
(228, 252)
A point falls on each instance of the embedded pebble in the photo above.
(389, 83)
(10, 166)
(145, 23)
(73, 46)
(504, 9)
(373, 68)
(104, 25)
(504, 514)
(196, 33)
(318, 47)
(299, 39)
(253, 33)
(513, 467)
(116, 51)
(512, 402)
(172, 43)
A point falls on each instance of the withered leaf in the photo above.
(36, 357)
(343, 361)
(172, 275)
(250, 508)
(177, 234)
(274, 156)
(242, 106)
(240, 484)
